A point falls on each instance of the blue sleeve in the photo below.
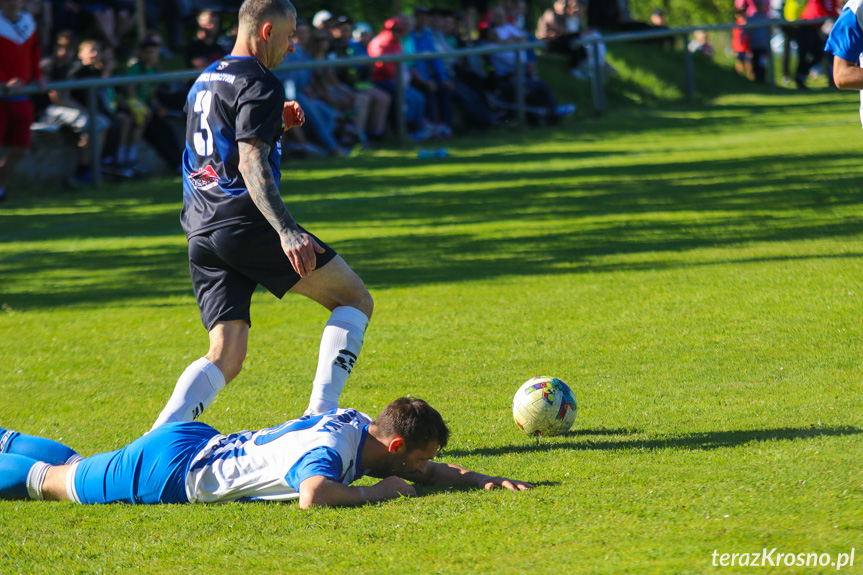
(846, 37)
(324, 461)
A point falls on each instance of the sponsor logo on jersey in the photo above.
(217, 77)
(204, 179)
(222, 65)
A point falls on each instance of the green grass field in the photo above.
(694, 274)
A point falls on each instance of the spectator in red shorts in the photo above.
(19, 66)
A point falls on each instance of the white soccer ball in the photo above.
(544, 406)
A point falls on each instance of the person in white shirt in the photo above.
(313, 459)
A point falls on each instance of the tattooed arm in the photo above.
(299, 246)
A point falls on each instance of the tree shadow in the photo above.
(577, 207)
(702, 441)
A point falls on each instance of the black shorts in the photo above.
(227, 265)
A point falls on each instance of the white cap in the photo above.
(321, 17)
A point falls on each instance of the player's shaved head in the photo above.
(253, 13)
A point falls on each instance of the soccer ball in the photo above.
(544, 406)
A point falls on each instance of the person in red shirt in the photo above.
(19, 67)
(810, 39)
(389, 41)
(740, 46)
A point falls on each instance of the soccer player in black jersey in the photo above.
(240, 233)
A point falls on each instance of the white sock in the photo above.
(195, 391)
(35, 479)
(340, 346)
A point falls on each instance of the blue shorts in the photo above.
(151, 469)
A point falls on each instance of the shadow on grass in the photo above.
(575, 211)
(688, 442)
(423, 490)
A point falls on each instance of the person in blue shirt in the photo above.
(430, 76)
(313, 459)
(845, 43)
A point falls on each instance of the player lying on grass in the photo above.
(314, 458)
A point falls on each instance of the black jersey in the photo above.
(234, 98)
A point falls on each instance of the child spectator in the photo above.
(700, 44)
(759, 41)
(740, 45)
(87, 67)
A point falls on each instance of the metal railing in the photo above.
(597, 77)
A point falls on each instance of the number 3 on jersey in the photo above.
(204, 137)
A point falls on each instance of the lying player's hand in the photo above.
(487, 482)
(293, 115)
(301, 249)
(393, 487)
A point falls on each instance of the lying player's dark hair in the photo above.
(415, 420)
(253, 13)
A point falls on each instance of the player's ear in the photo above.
(267, 30)
(396, 445)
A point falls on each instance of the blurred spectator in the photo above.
(811, 39)
(430, 76)
(759, 40)
(63, 111)
(537, 93)
(658, 19)
(474, 11)
(328, 88)
(85, 68)
(740, 46)
(700, 44)
(204, 50)
(468, 100)
(148, 105)
(363, 34)
(321, 118)
(372, 104)
(748, 7)
(19, 66)
(389, 41)
(122, 124)
(560, 26)
(790, 10)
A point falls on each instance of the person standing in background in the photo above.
(19, 66)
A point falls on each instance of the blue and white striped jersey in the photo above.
(846, 37)
(271, 463)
